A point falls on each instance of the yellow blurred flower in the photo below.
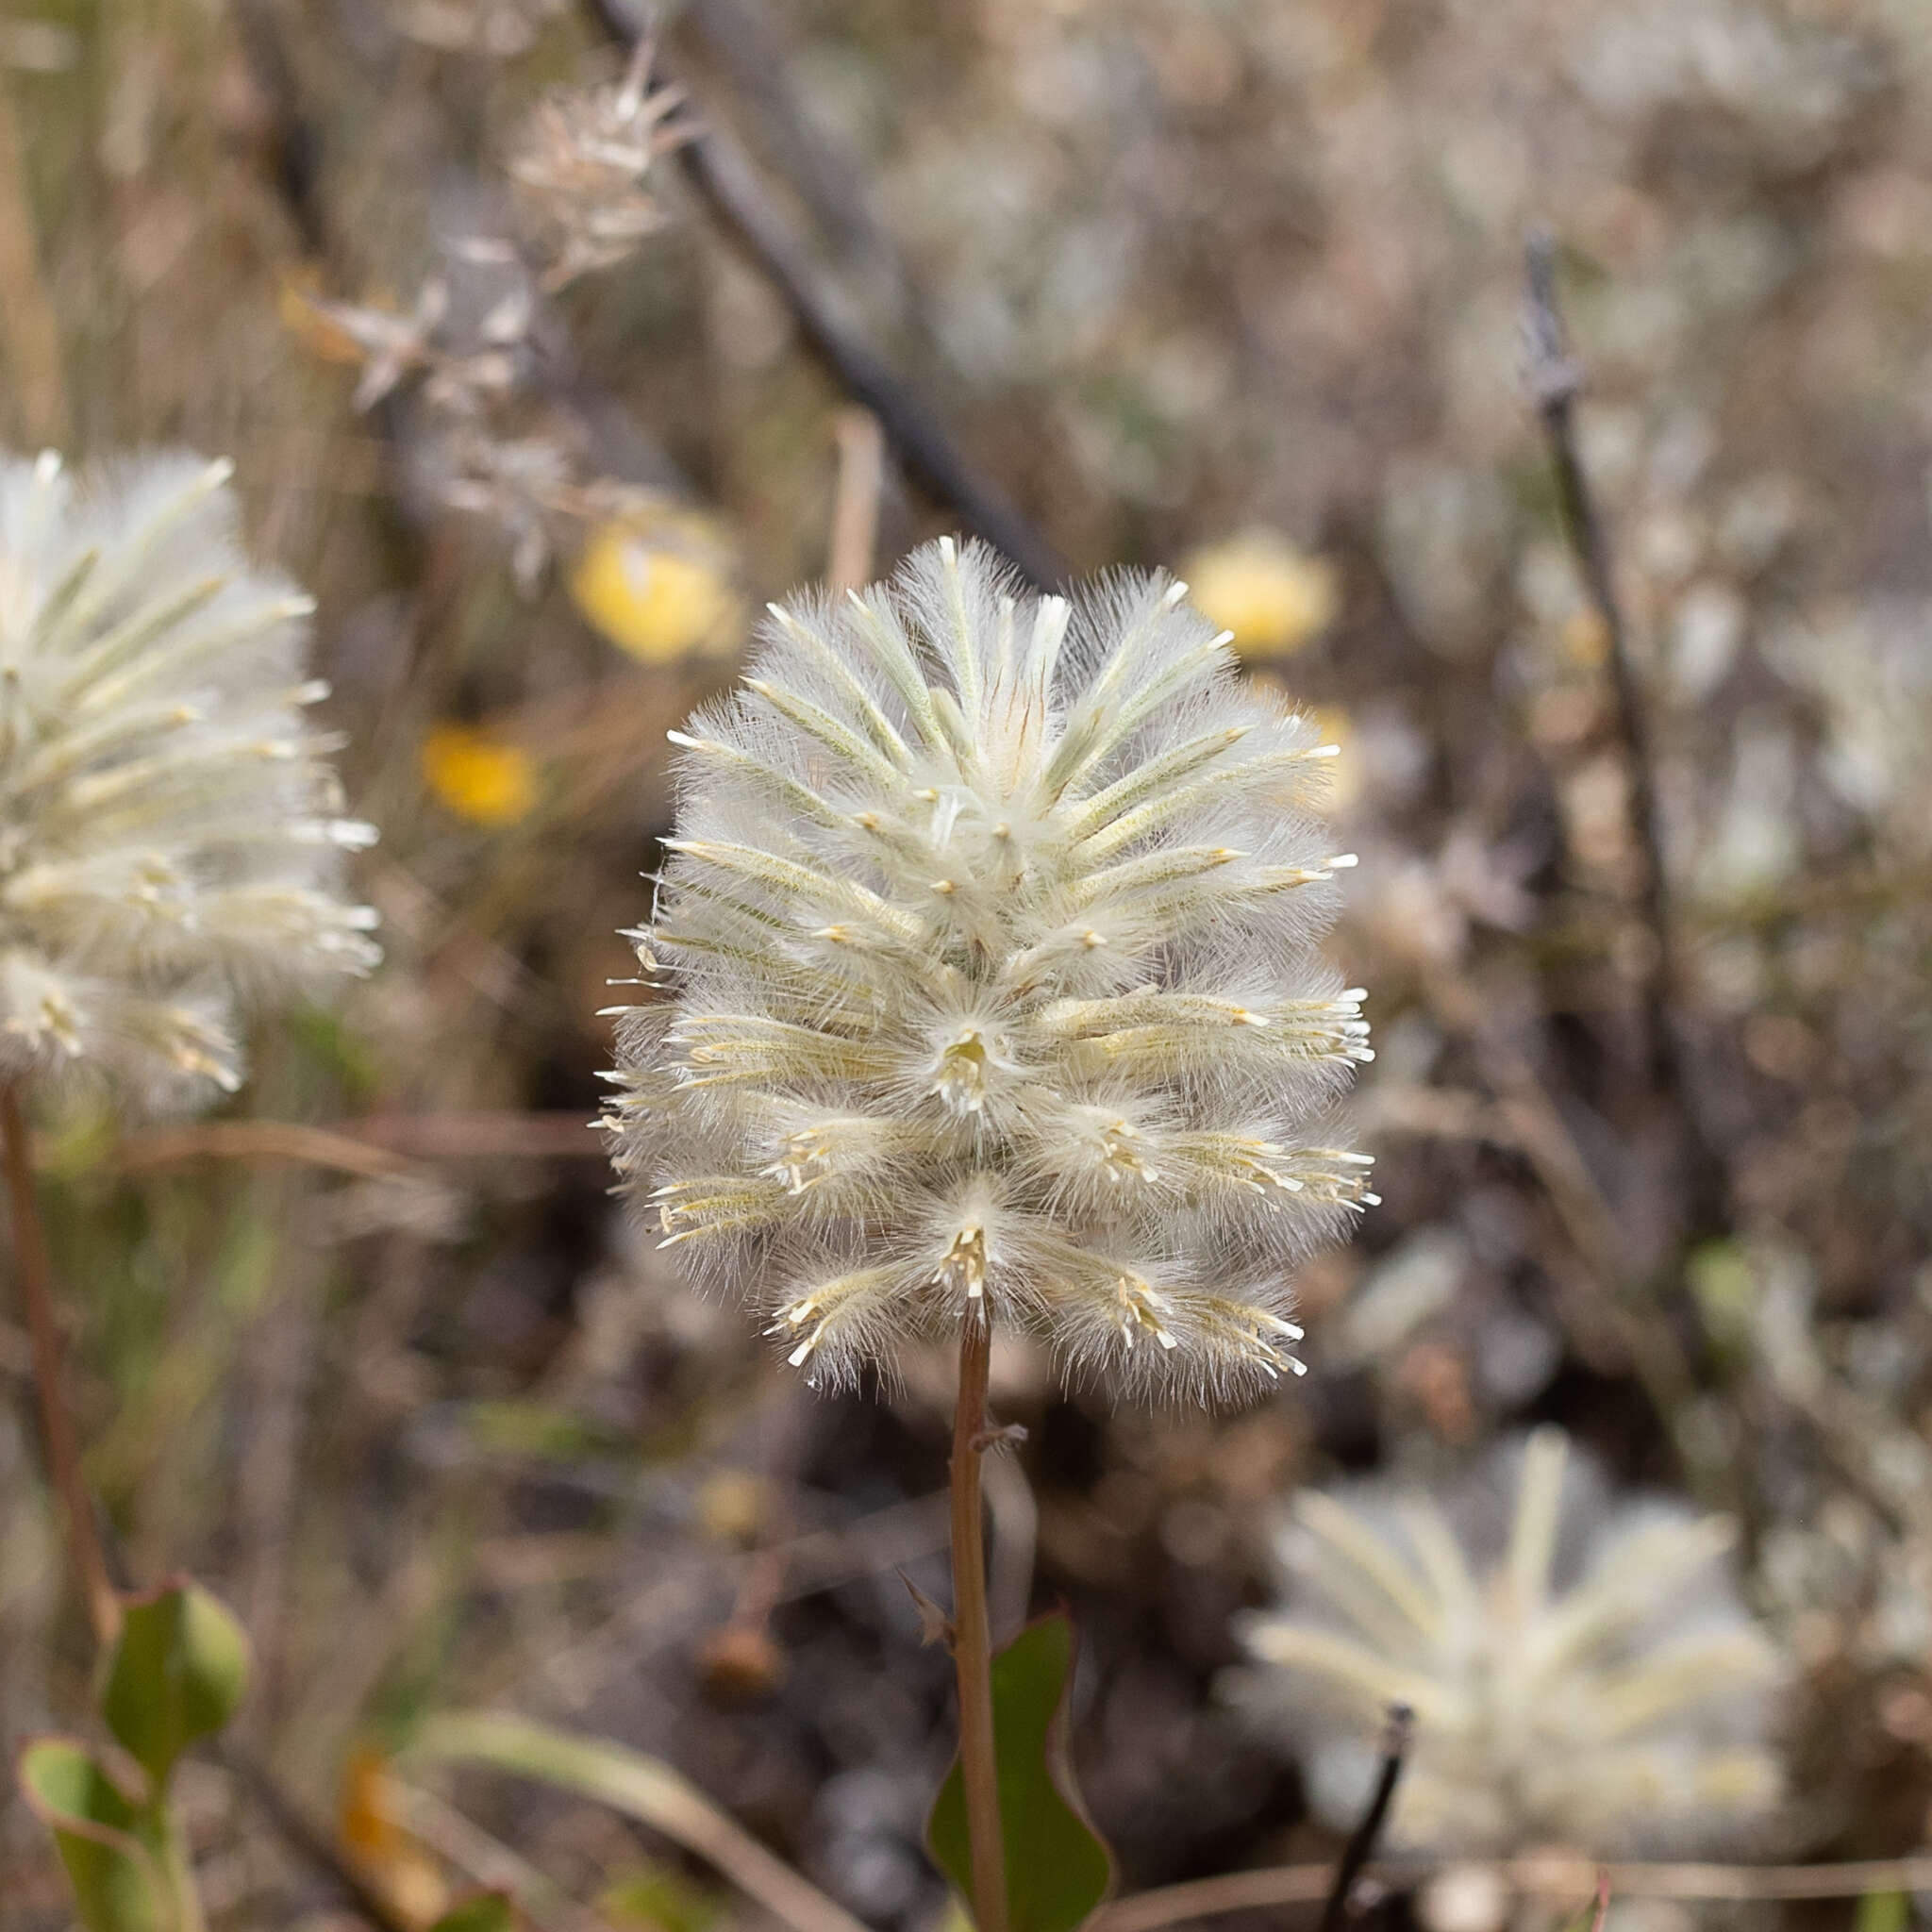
(732, 1506)
(479, 777)
(659, 586)
(1583, 638)
(1273, 597)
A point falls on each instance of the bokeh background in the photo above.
(1230, 286)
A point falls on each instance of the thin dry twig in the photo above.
(1559, 1880)
(1397, 1739)
(1555, 379)
(1539, 1132)
(856, 503)
(380, 1146)
(728, 186)
(28, 325)
(754, 49)
(258, 1140)
(1207, 1898)
(564, 1134)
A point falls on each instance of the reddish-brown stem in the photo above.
(971, 1637)
(36, 1274)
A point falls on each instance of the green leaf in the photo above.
(1058, 1867)
(643, 1787)
(485, 1911)
(177, 1673)
(1883, 1911)
(115, 1876)
(662, 1898)
(1727, 1291)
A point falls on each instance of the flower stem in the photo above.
(179, 1872)
(36, 1294)
(972, 1638)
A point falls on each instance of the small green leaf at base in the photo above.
(662, 1899)
(485, 1911)
(1883, 1911)
(116, 1879)
(1058, 1867)
(178, 1671)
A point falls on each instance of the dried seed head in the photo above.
(988, 933)
(1581, 1675)
(171, 832)
(582, 161)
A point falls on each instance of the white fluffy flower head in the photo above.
(987, 948)
(170, 828)
(1581, 1673)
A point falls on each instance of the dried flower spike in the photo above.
(170, 828)
(582, 162)
(989, 928)
(1581, 1675)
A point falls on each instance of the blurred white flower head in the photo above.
(170, 828)
(1581, 1671)
(497, 29)
(985, 974)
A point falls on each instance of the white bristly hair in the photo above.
(1582, 1672)
(985, 955)
(170, 830)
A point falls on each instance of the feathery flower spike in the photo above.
(1582, 1673)
(985, 950)
(171, 832)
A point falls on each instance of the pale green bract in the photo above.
(1581, 1671)
(170, 830)
(983, 967)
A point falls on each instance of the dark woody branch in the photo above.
(726, 182)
